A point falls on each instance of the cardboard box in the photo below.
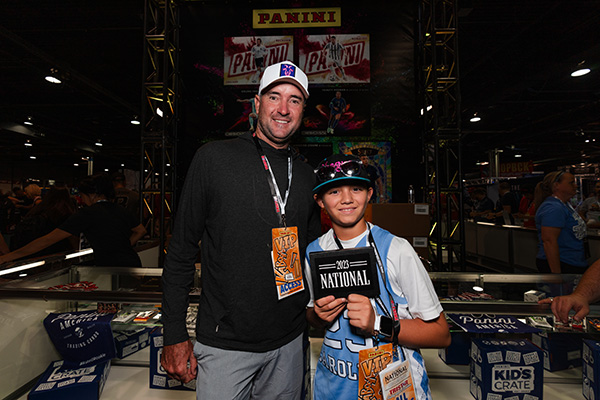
(82, 337)
(406, 220)
(459, 350)
(591, 369)
(158, 377)
(561, 350)
(511, 369)
(63, 382)
(130, 339)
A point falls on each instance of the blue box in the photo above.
(130, 339)
(459, 350)
(506, 369)
(158, 377)
(591, 369)
(63, 382)
(562, 350)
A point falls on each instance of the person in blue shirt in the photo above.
(561, 230)
(357, 322)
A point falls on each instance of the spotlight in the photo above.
(135, 120)
(28, 121)
(53, 77)
(475, 118)
(581, 70)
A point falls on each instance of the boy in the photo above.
(357, 322)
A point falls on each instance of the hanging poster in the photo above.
(335, 58)
(376, 156)
(246, 57)
(337, 111)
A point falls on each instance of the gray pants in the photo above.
(239, 375)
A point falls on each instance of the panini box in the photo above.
(562, 350)
(130, 339)
(63, 382)
(82, 337)
(506, 370)
(158, 376)
(591, 369)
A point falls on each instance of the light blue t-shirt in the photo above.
(554, 213)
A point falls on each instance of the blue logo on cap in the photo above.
(287, 70)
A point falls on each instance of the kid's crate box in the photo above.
(562, 350)
(502, 370)
(591, 369)
(62, 382)
(158, 377)
(131, 339)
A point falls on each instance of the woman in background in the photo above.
(561, 231)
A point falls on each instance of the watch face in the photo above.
(386, 326)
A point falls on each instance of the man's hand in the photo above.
(179, 362)
(561, 306)
(361, 313)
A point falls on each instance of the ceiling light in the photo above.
(28, 121)
(518, 156)
(53, 76)
(580, 72)
(587, 140)
(122, 165)
(32, 157)
(105, 169)
(159, 112)
(75, 165)
(135, 120)
(28, 144)
(475, 118)
(98, 143)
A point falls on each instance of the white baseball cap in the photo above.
(284, 71)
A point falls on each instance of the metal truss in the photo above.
(439, 94)
(160, 102)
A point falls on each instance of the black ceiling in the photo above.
(514, 57)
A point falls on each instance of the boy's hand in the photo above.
(328, 308)
(361, 314)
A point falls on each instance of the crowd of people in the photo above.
(55, 222)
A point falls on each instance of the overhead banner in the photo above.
(246, 57)
(297, 18)
(336, 58)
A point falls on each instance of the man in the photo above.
(334, 53)
(241, 199)
(484, 205)
(586, 293)
(506, 206)
(259, 51)
(128, 199)
(337, 106)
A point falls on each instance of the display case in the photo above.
(27, 301)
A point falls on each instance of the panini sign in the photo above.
(297, 18)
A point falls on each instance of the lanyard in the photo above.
(381, 272)
(275, 193)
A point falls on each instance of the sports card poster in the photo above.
(335, 58)
(354, 120)
(378, 156)
(241, 52)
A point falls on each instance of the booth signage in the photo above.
(297, 18)
(516, 168)
(341, 272)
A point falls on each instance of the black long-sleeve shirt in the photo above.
(227, 204)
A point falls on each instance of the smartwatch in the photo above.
(386, 329)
